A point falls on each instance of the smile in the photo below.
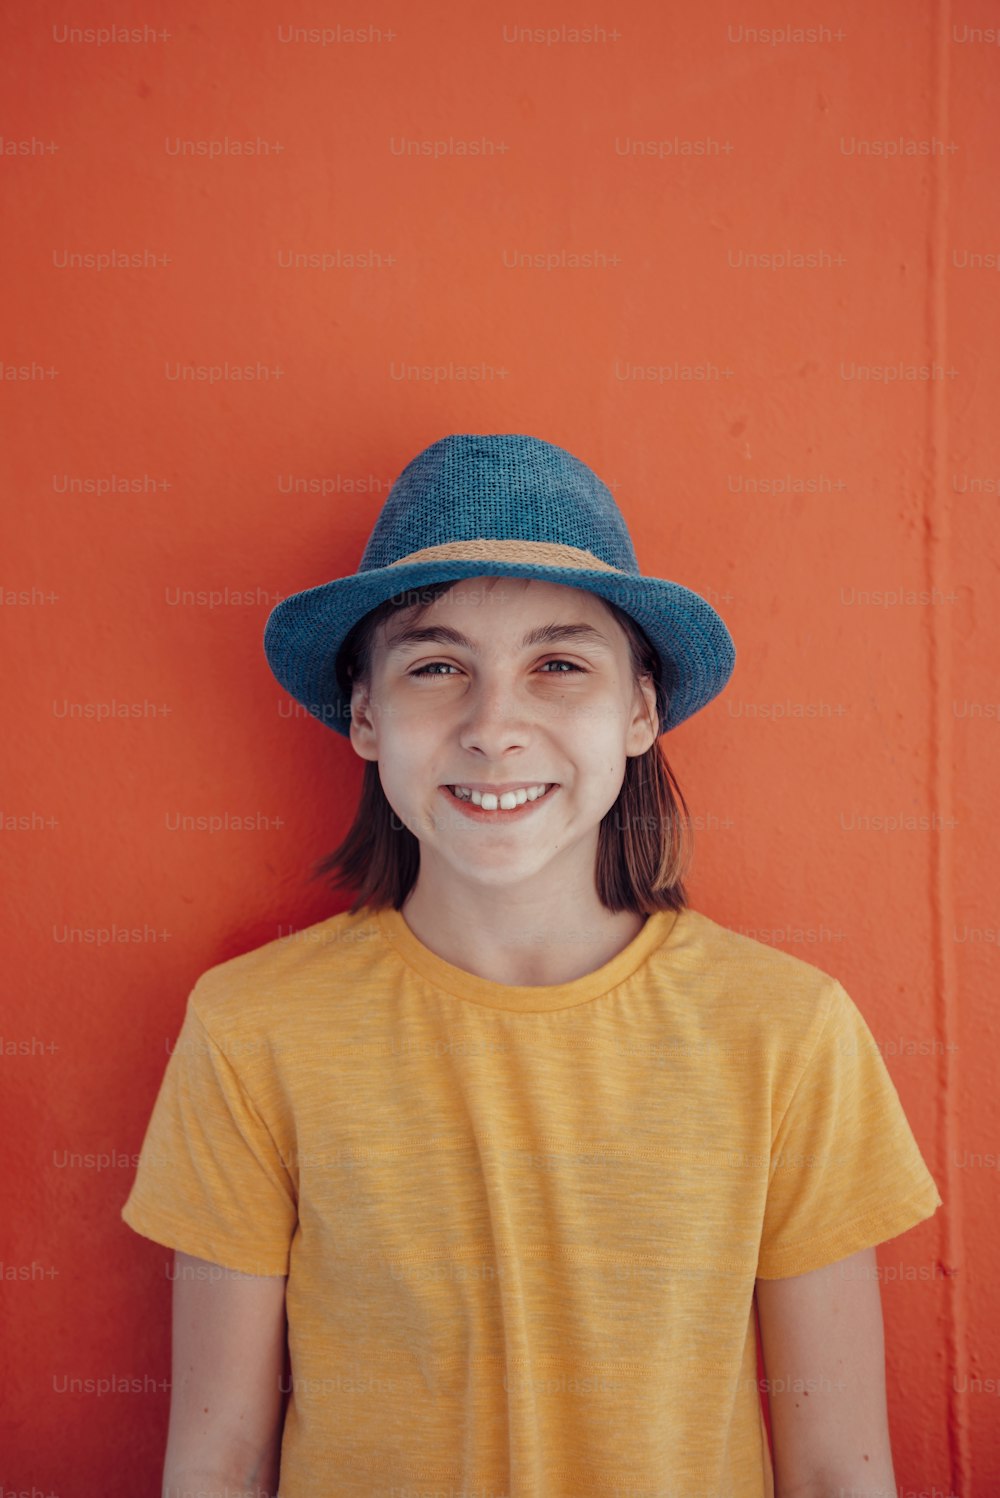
(505, 800)
(511, 806)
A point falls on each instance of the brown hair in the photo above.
(643, 847)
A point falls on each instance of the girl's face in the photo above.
(463, 696)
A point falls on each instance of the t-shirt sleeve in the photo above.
(845, 1171)
(210, 1179)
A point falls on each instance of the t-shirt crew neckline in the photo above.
(659, 929)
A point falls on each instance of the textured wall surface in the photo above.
(751, 278)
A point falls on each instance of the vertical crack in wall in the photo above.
(939, 568)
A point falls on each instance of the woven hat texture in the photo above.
(501, 505)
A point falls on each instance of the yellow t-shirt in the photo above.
(521, 1226)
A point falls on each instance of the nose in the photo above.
(495, 719)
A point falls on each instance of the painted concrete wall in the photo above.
(752, 279)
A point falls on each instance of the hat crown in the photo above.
(509, 487)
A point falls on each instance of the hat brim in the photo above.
(305, 632)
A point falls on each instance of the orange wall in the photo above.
(777, 482)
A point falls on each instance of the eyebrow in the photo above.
(545, 634)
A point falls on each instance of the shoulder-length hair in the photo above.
(644, 845)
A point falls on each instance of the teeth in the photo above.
(507, 802)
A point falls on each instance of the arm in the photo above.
(226, 1401)
(823, 1332)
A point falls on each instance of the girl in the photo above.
(519, 1142)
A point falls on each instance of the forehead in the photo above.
(520, 612)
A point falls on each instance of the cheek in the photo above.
(401, 794)
(406, 768)
(411, 721)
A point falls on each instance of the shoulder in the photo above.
(706, 944)
(285, 975)
(748, 984)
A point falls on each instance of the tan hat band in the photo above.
(535, 553)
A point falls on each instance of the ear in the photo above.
(363, 737)
(644, 727)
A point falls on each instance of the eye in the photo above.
(571, 664)
(429, 670)
(426, 670)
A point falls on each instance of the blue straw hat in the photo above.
(504, 505)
